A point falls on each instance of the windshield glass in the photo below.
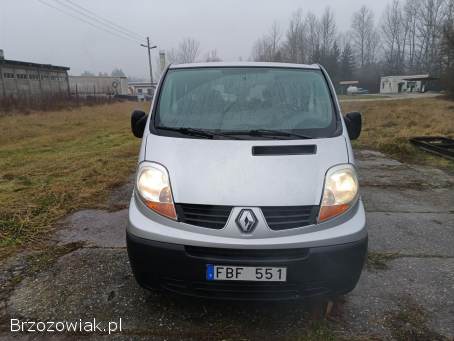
(248, 98)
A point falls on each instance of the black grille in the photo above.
(288, 217)
(277, 217)
(213, 217)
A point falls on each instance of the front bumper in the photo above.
(311, 271)
(146, 224)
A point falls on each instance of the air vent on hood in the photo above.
(284, 150)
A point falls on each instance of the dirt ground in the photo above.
(406, 291)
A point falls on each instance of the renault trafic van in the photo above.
(246, 186)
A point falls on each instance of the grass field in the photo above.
(360, 97)
(387, 126)
(52, 163)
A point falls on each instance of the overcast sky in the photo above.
(31, 31)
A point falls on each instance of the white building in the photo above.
(399, 84)
(143, 90)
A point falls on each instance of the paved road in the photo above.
(406, 291)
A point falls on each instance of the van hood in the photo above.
(225, 172)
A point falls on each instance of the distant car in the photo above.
(246, 186)
(354, 90)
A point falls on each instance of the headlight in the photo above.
(153, 186)
(340, 192)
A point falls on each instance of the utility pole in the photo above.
(149, 48)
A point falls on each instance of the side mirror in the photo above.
(138, 122)
(353, 121)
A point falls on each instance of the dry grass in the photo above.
(388, 125)
(52, 163)
(17, 106)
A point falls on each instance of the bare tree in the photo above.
(327, 32)
(313, 31)
(372, 46)
(448, 50)
(430, 16)
(410, 14)
(172, 56)
(261, 51)
(188, 50)
(448, 35)
(292, 37)
(212, 56)
(268, 48)
(274, 37)
(364, 35)
(295, 44)
(394, 37)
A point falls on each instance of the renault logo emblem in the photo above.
(246, 220)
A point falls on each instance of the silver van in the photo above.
(246, 186)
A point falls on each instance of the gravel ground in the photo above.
(405, 292)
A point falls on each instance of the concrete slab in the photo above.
(95, 228)
(417, 234)
(375, 169)
(120, 196)
(388, 199)
(427, 282)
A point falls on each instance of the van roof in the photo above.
(244, 64)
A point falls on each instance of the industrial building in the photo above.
(98, 85)
(412, 83)
(19, 79)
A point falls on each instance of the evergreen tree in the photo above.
(347, 63)
(332, 62)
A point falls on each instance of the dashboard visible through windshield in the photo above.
(227, 102)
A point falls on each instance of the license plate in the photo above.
(245, 273)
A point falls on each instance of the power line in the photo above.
(107, 21)
(87, 22)
(92, 18)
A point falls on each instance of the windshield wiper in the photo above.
(268, 133)
(196, 132)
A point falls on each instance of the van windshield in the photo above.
(240, 100)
